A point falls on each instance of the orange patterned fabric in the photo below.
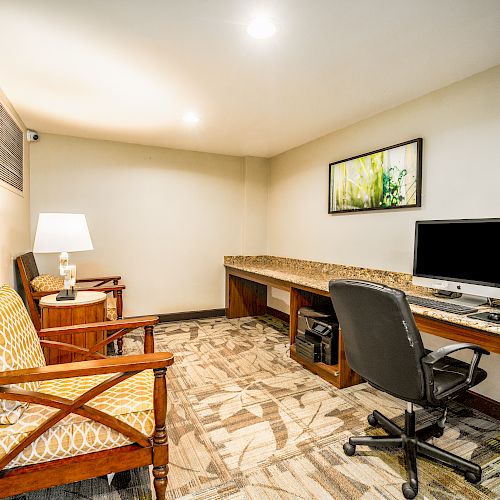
(47, 283)
(130, 401)
(111, 311)
(19, 348)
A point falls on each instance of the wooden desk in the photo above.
(88, 307)
(246, 295)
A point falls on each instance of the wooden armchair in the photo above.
(69, 422)
(28, 270)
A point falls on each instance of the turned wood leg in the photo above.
(119, 344)
(160, 439)
(149, 343)
(119, 314)
(119, 304)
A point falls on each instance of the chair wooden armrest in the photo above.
(39, 295)
(119, 364)
(105, 279)
(120, 327)
(104, 289)
(118, 324)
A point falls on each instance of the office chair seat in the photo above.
(450, 372)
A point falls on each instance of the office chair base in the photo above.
(413, 443)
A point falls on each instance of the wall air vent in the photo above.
(11, 151)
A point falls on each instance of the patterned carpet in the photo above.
(247, 422)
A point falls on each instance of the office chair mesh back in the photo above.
(381, 339)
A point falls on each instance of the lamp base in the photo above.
(66, 295)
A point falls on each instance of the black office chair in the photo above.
(384, 346)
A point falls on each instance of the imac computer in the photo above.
(458, 256)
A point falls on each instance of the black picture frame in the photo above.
(377, 198)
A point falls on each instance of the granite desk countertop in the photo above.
(316, 275)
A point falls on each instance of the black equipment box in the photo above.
(320, 339)
(308, 347)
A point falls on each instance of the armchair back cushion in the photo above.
(47, 283)
(19, 348)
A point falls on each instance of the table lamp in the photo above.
(63, 233)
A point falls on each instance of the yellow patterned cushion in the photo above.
(19, 348)
(47, 283)
(111, 313)
(130, 401)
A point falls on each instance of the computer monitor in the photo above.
(458, 256)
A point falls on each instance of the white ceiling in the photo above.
(127, 70)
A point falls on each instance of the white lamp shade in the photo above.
(62, 233)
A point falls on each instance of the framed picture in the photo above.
(386, 178)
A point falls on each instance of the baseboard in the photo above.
(278, 314)
(187, 315)
(481, 403)
(213, 313)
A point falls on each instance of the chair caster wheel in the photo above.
(408, 491)
(472, 478)
(349, 449)
(372, 420)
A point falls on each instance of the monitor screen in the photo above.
(458, 250)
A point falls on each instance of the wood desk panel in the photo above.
(458, 333)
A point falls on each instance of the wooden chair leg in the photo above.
(160, 439)
(149, 342)
(119, 344)
(119, 314)
(119, 304)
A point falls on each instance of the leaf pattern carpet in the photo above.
(246, 422)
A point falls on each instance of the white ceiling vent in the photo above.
(11, 151)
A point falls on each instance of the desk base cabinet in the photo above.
(246, 295)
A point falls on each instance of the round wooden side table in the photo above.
(88, 307)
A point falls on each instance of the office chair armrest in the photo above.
(433, 357)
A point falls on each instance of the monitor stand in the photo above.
(462, 298)
(472, 300)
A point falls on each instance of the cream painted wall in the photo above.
(460, 125)
(161, 218)
(255, 199)
(14, 213)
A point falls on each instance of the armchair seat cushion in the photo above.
(47, 283)
(450, 372)
(130, 401)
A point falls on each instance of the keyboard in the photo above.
(441, 306)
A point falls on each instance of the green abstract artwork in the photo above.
(387, 178)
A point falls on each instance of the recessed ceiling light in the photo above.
(191, 118)
(261, 27)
